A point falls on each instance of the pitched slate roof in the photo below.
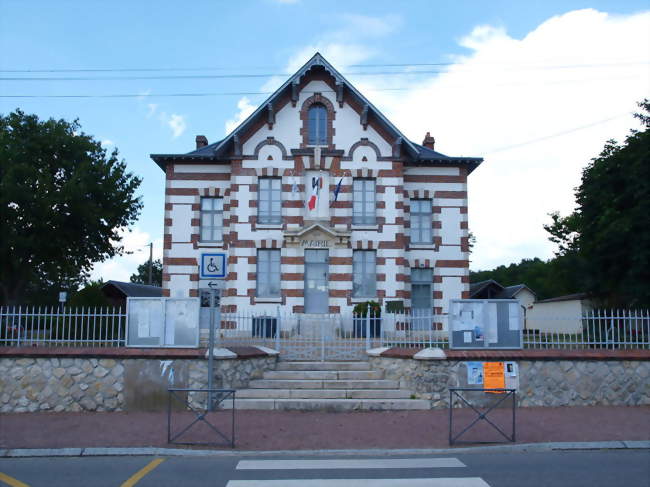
(415, 153)
(507, 292)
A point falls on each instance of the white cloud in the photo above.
(582, 69)
(136, 242)
(152, 109)
(245, 109)
(107, 143)
(177, 124)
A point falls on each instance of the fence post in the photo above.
(277, 330)
(368, 328)
(19, 325)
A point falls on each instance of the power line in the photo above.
(558, 134)
(254, 93)
(388, 65)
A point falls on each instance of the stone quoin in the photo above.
(318, 202)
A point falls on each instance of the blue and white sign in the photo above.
(213, 266)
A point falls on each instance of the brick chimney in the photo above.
(428, 141)
(201, 141)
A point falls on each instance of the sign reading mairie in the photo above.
(317, 237)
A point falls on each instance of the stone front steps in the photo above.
(332, 386)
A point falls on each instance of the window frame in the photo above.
(268, 218)
(361, 267)
(265, 267)
(424, 220)
(317, 125)
(360, 214)
(428, 282)
(214, 215)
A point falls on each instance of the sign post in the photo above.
(213, 266)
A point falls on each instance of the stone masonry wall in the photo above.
(541, 382)
(29, 384)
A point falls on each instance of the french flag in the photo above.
(316, 185)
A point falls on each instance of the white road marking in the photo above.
(433, 482)
(352, 463)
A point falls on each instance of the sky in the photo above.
(535, 88)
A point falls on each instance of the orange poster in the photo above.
(494, 375)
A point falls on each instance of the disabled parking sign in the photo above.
(213, 266)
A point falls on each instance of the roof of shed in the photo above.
(133, 290)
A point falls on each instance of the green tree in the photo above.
(63, 199)
(608, 235)
(142, 274)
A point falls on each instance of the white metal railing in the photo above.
(334, 336)
(62, 326)
(599, 328)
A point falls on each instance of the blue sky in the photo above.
(557, 77)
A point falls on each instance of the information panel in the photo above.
(485, 323)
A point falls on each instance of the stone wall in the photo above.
(29, 384)
(541, 382)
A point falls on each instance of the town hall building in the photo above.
(318, 202)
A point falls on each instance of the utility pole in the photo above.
(151, 263)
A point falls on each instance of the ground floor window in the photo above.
(364, 274)
(268, 273)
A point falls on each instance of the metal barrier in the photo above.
(481, 416)
(55, 326)
(214, 398)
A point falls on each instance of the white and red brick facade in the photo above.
(360, 143)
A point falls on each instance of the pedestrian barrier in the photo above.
(202, 409)
(503, 394)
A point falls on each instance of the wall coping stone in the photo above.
(376, 352)
(221, 354)
(432, 353)
(128, 352)
(408, 353)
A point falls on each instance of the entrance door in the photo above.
(316, 289)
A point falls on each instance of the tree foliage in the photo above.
(608, 234)
(142, 274)
(63, 199)
(90, 295)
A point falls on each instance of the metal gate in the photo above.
(320, 337)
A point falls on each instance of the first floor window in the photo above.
(364, 274)
(421, 222)
(269, 202)
(268, 273)
(211, 219)
(363, 203)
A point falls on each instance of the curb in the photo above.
(180, 452)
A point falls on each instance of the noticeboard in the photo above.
(485, 324)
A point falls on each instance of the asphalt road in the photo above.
(610, 468)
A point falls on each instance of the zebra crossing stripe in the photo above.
(349, 463)
(430, 482)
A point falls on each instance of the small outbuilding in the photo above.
(117, 291)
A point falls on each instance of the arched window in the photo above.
(317, 124)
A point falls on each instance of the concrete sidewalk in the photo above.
(289, 430)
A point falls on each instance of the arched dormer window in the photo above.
(317, 125)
